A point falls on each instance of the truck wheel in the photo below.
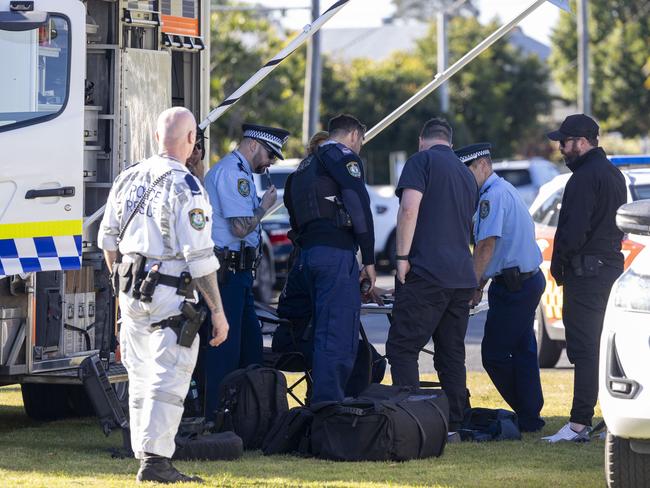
(45, 401)
(80, 404)
(548, 350)
(263, 287)
(625, 468)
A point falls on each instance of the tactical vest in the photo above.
(314, 193)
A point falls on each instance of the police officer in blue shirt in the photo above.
(329, 209)
(236, 231)
(507, 253)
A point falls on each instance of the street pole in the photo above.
(443, 56)
(313, 81)
(584, 93)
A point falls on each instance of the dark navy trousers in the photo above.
(509, 348)
(332, 277)
(243, 346)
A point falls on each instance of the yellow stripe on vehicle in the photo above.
(41, 229)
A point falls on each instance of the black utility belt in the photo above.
(130, 277)
(512, 278)
(237, 260)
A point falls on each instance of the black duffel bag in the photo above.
(411, 426)
(487, 424)
(250, 400)
(290, 433)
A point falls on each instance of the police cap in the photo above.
(271, 137)
(471, 153)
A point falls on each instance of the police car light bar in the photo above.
(442, 77)
(631, 160)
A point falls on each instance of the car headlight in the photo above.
(632, 292)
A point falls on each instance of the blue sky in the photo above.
(368, 13)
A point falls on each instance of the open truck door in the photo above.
(41, 104)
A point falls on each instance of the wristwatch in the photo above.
(403, 257)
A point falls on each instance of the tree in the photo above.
(427, 9)
(242, 42)
(500, 95)
(619, 30)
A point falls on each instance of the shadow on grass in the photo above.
(78, 449)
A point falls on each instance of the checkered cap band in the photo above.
(265, 136)
(30, 254)
(469, 157)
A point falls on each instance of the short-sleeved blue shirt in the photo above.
(440, 251)
(232, 193)
(501, 213)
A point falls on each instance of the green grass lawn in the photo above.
(74, 453)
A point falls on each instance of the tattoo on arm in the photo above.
(242, 226)
(209, 288)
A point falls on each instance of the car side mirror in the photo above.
(634, 218)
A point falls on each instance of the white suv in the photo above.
(624, 390)
(527, 176)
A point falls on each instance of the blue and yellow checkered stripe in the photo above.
(40, 246)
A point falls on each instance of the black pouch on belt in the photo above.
(512, 278)
(591, 266)
(124, 277)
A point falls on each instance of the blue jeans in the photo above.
(332, 276)
(243, 346)
(509, 348)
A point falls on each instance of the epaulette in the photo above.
(193, 184)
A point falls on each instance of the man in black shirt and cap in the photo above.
(586, 260)
(435, 275)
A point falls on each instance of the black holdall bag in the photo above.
(290, 433)
(250, 400)
(486, 424)
(410, 424)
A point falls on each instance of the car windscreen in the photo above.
(641, 192)
(35, 73)
(516, 177)
(277, 179)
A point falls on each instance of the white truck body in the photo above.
(81, 85)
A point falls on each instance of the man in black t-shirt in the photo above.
(435, 276)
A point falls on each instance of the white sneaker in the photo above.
(566, 433)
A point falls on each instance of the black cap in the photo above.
(471, 153)
(576, 125)
(271, 137)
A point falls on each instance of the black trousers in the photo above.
(423, 311)
(583, 312)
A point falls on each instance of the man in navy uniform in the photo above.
(330, 215)
(435, 279)
(236, 234)
(507, 253)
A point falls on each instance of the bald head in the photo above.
(176, 133)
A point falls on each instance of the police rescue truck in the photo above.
(81, 86)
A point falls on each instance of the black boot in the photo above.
(160, 469)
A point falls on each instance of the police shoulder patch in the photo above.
(353, 169)
(484, 208)
(243, 187)
(197, 218)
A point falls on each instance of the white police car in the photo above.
(624, 390)
(545, 211)
(527, 176)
